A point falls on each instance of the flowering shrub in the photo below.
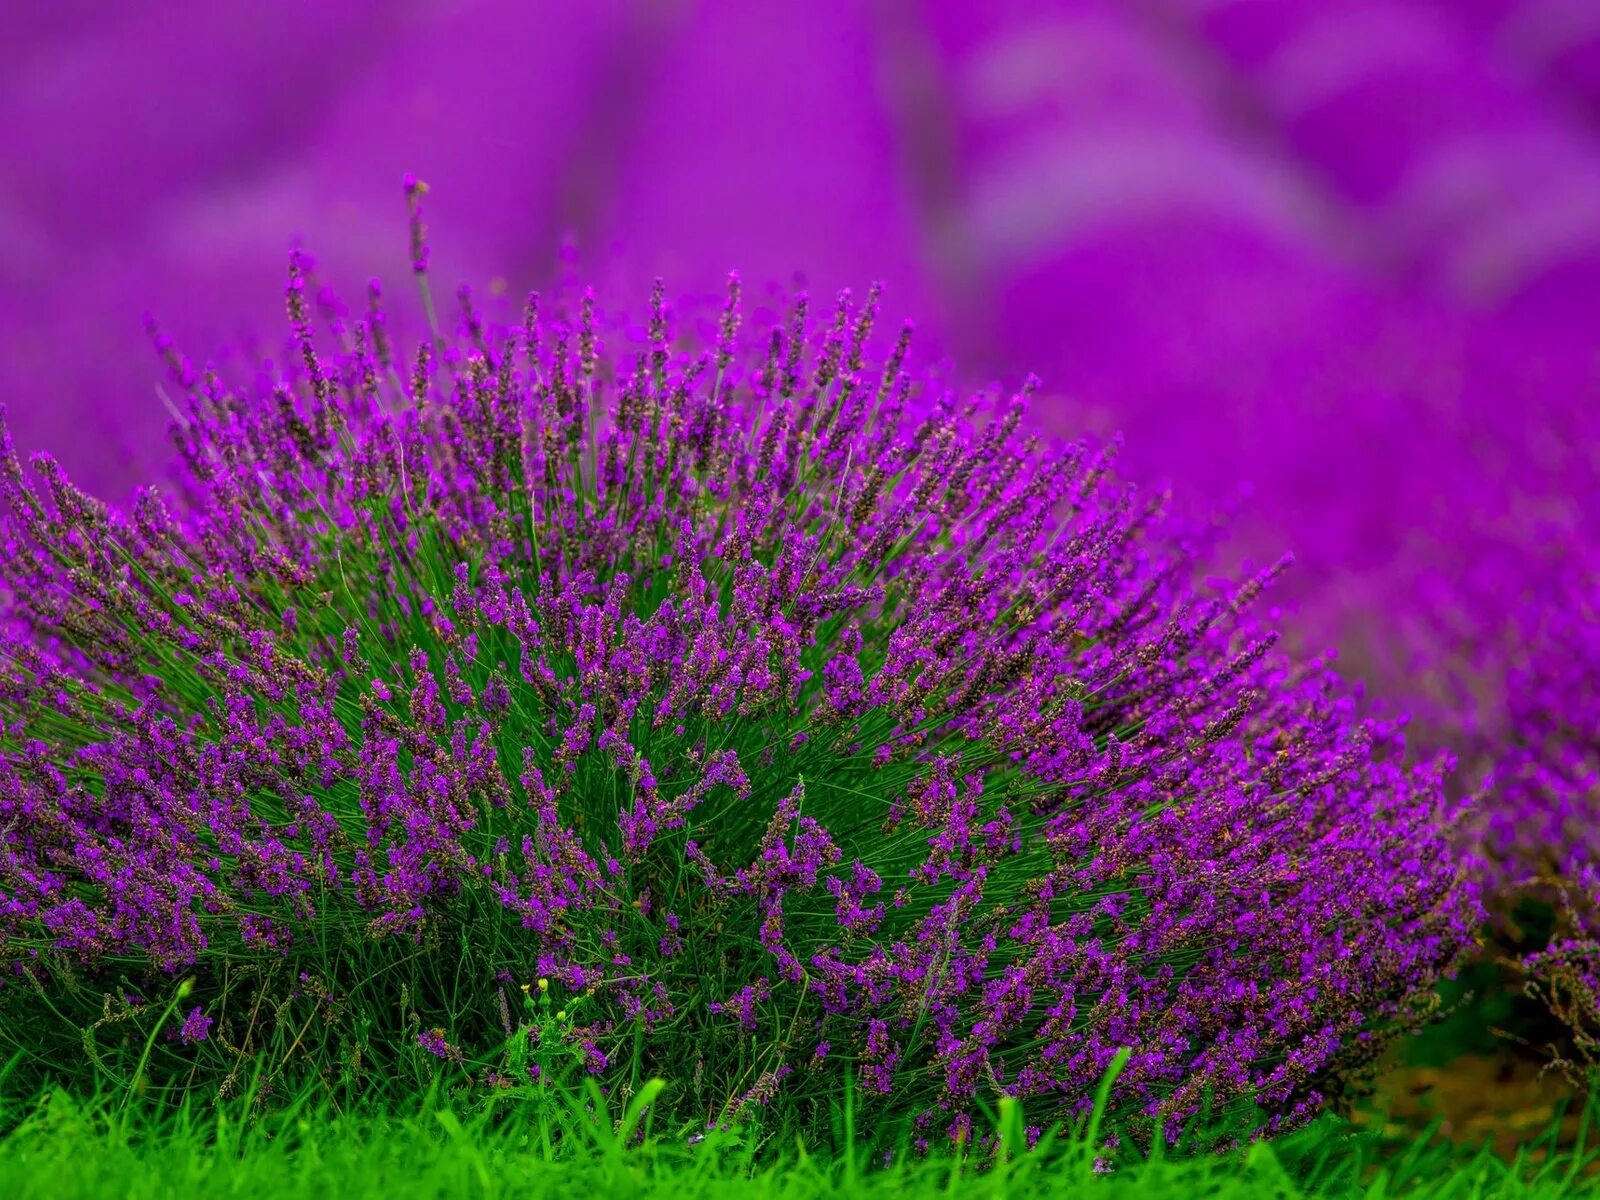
(1493, 640)
(1546, 784)
(732, 709)
(1540, 829)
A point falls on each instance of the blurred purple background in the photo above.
(1345, 250)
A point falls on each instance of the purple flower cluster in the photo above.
(1495, 644)
(778, 710)
(1540, 822)
(1544, 815)
(196, 1026)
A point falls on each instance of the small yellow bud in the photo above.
(544, 985)
(561, 1015)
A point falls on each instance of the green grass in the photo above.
(58, 1146)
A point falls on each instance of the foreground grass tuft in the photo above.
(60, 1146)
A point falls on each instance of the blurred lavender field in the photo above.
(1345, 251)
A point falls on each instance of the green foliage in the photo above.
(589, 1144)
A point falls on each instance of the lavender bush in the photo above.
(1545, 828)
(1541, 800)
(581, 698)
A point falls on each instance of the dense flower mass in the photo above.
(1540, 829)
(739, 709)
(1499, 655)
(1546, 782)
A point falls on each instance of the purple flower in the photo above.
(433, 1041)
(196, 1026)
